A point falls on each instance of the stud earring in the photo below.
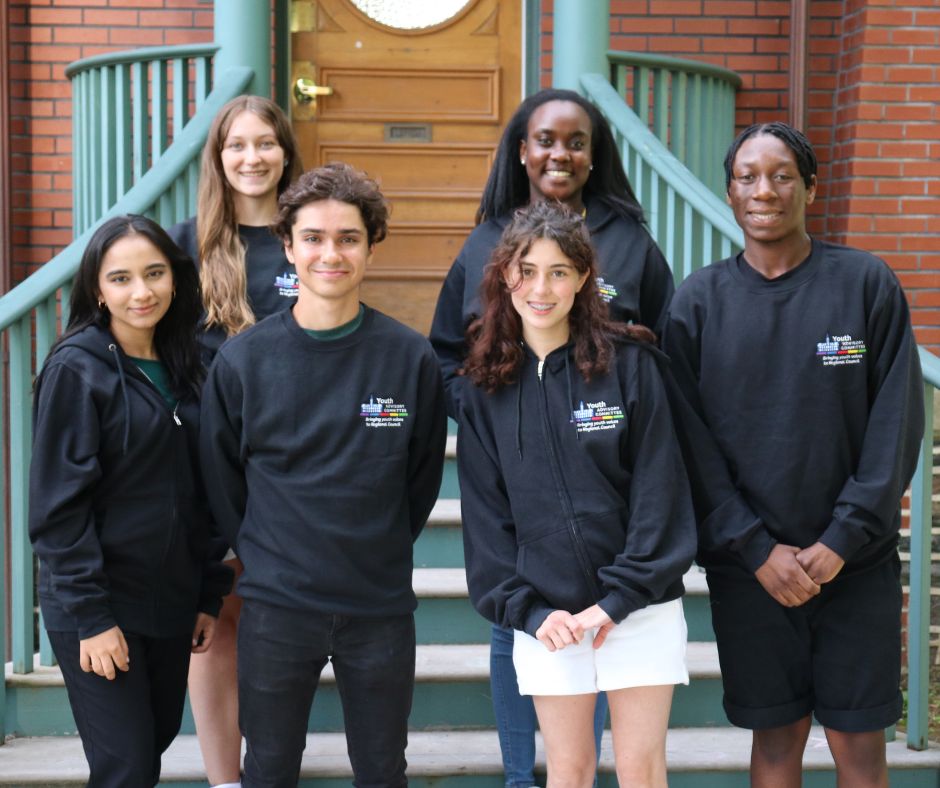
(591, 168)
(522, 162)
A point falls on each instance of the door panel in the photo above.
(421, 111)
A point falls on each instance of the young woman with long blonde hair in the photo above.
(249, 158)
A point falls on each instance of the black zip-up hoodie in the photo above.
(573, 492)
(117, 510)
(634, 279)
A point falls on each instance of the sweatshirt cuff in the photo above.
(843, 540)
(535, 617)
(618, 606)
(756, 550)
(94, 622)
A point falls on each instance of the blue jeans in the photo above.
(280, 656)
(515, 714)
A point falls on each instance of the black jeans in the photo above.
(280, 656)
(126, 724)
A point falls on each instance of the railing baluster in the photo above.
(641, 93)
(65, 293)
(158, 107)
(108, 172)
(918, 603)
(88, 164)
(77, 97)
(661, 105)
(96, 161)
(202, 80)
(45, 335)
(180, 94)
(688, 263)
(670, 246)
(21, 555)
(141, 128)
(123, 131)
(697, 111)
(680, 116)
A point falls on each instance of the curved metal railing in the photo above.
(32, 314)
(127, 108)
(687, 104)
(691, 225)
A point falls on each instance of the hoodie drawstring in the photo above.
(127, 405)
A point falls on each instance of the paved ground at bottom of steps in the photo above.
(59, 759)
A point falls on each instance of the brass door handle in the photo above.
(306, 91)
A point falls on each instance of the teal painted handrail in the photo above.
(687, 104)
(37, 309)
(127, 107)
(692, 226)
(918, 600)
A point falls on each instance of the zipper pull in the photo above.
(541, 364)
(175, 417)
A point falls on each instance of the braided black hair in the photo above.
(794, 139)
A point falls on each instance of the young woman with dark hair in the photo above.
(117, 513)
(557, 146)
(577, 518)
(249, 159)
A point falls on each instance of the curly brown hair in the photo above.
(334, 181)
(495, 350)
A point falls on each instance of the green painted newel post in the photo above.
(581, 41)
(243, 34)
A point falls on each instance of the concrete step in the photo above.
(452, 691)
(699, 758)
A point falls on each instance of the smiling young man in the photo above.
(798, 355)
(323, 443)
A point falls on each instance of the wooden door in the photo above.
(420, 111)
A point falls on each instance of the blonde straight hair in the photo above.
(222, 272)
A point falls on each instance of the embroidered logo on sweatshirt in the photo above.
(287, 285)
(606, 290)
(383, 412)
(841, 351)
(596, 416)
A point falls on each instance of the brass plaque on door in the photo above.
(408, 132)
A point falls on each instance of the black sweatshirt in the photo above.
(272, 282)
(810, 388)
(117, 510)
(573, 492)
(634, 279)
(323, 460)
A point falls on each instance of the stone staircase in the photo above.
(453, 742)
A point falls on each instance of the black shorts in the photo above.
(838, 656)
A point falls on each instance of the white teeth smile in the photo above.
(558, 173)
(540, 307)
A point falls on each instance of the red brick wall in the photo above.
(872, 98)
(885, 145)
(47, 35)
(873, 72)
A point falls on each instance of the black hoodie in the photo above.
(117, 510)
(572, 492)
(633, 278)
